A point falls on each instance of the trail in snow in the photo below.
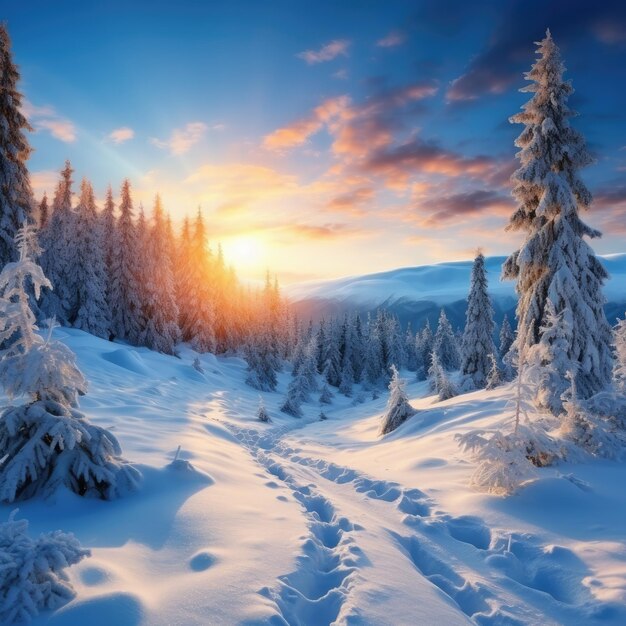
(489, 576)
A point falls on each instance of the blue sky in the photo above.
(323, 138)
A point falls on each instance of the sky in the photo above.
(320, 139)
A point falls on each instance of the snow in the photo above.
(442, 283)
(302, 521)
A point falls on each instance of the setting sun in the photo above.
(245, 251)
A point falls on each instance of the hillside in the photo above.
(307, 522)
(417, 293)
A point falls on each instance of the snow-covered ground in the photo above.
(308, 522)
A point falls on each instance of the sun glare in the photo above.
(244, 252)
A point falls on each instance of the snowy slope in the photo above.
(304, 522)
(438, 285)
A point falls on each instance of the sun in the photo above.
(244, 251)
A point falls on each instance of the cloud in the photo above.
(355, 127)
(352, 201)
(298, 133)
(182, 139)
(47, 119)
(328, 52)
(448, 208)
(120, 135)
(509, 51)
(393, 39)
(400, 162)
(324, 231)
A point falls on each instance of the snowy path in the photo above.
(393, 551)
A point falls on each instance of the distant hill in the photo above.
(415, 294)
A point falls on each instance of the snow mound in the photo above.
(128, 359)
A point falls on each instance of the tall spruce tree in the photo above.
(555, 262)
(16, 199)
(161, 330)
(43, 211)
(58, 241)
(445, 344)
(507, 337)
(477, 344)
(92, 314)
(124, 295)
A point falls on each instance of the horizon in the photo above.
(365, 138)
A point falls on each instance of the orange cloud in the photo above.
(46, 118)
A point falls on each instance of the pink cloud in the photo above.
(328, 52)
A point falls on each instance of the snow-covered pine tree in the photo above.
(555, 262)
(322, 346)
(439, 381)
(494, 377)
(47, 442)
(124, 295)
(477, 343)
(410, 349)
(91, 277)
(507, 337)
(549, 359)
(15, 192)
(58, 240)
(261, 412)
(44, 212)
(398, 408)
(32, 578)
(332, 367)
(262, 363)
(201, 316)
(619, 341)
(160, 311)
(445, 344)
(108, 228)
(326, 396)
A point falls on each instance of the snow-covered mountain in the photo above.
(417, 293)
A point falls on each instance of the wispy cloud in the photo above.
(393, 39)
(182, 139)
(120, 135)
(47, 119)
(328, 52)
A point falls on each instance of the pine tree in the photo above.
(201, 316)
(261, 412)
(439, 381)
(477, 342)
(47, 442)
(326, 396)
(58, 240)
(43, 211)
(15, 191)
(550, 360)
(620, 355)
(555, 262)
(124, 294)
(91, 278)
(507, 337)
(445, 344)
(108, 228)
(410, 348)
(262, 363)
(160, 311)
(398, 408)
(494, 377)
